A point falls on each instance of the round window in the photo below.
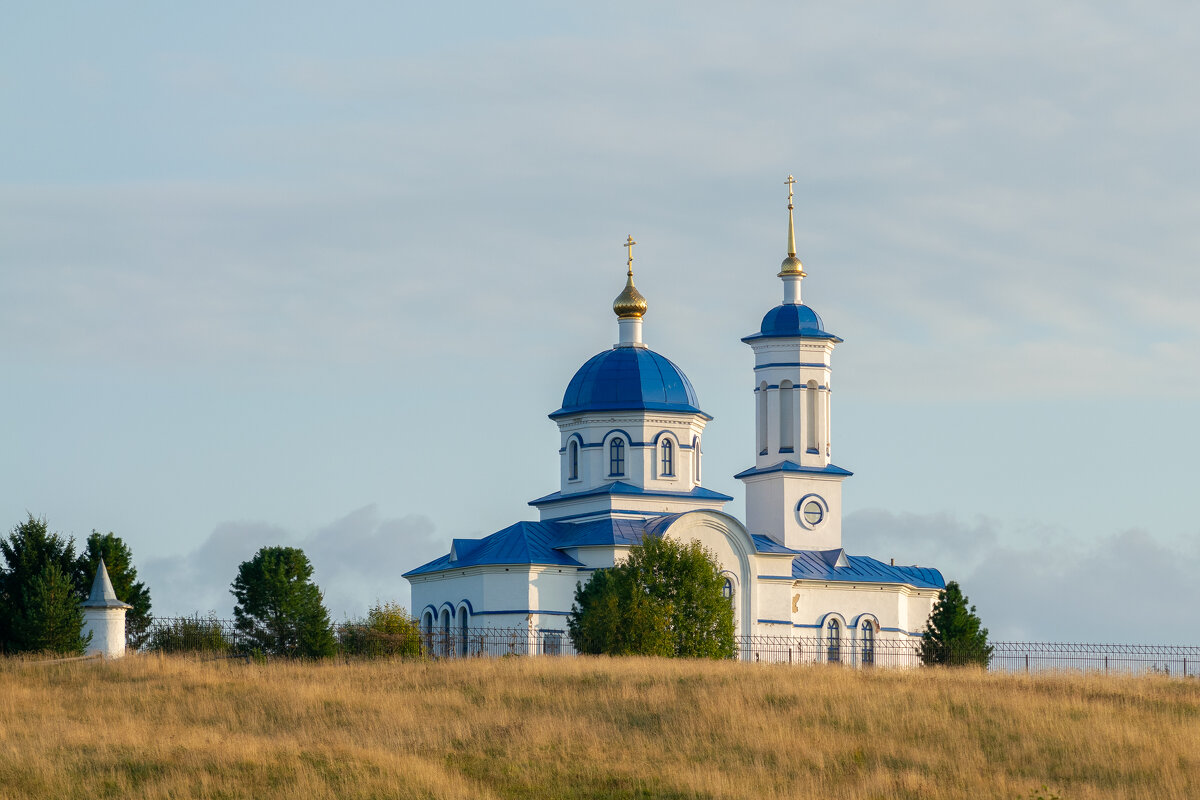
(813, 513)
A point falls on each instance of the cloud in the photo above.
(357, 561)
(1129, 586)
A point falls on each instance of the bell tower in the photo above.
(793, 491)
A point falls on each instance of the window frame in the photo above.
(616, 457)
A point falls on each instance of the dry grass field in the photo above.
(170, 727)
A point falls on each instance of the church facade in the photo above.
(631, 432)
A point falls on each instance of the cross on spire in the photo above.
(629, 243)
(790, 183)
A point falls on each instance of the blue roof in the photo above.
(792, 466)
(765, 544)
(629, 379)
(620, 487)
(792, 319)
(821, 565)
(522, 543)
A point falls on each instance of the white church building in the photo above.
(631, 431)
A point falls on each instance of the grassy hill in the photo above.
(154, 727)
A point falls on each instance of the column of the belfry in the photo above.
(104, 617)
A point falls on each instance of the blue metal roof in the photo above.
(620, 487)
(821, 565)
(792, 319)
(613, 531)
(629, 379)
(765, 544)
(792, 466)
(522, 543)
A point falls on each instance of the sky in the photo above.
(294, 274)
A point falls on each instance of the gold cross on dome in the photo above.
(629, 243)
(790, 183)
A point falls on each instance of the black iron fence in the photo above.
(210, 634)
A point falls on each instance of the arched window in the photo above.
(696, 458)
(573, 461)
(616, 458)
(668, 459)
(727, 591)
(834, 642)
(868, 643)
(762, 418)
(786, 428)
(810, 421)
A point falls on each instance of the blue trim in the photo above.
(524, 611)
(431, 608)
(622, 488)
(467, 603)
(594, 444)
(604, 512)
(787, 450)
(793, 364)
(776, 621)
(792, 466)
(774, 578)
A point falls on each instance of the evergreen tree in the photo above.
(665, 599)
(954, 634)
(118, 559)
(279, 608)
(27, 552)
(50, 618)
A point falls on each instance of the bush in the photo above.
(388, 630)
(665, 599)
(193, 634)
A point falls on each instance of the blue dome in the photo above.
(629, 379)
(792, 320)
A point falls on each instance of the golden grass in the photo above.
(169, 727)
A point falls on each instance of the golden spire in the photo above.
(630, 304)
(791, 265)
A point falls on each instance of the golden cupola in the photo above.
(630, 303)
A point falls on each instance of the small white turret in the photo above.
(104, 617)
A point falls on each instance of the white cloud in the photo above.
(357, 561)
(1126, 587)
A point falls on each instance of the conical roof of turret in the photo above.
(102, 595)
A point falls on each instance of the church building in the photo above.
(631, 431)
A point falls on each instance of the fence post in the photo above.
(1027, 662)
(1106, 665)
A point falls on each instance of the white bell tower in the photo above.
(794, 491)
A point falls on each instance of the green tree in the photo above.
(50, 618)
(388, 630)
(118, 559)
(279, 608)
(954, 634)
(28, 550)
(665, 599)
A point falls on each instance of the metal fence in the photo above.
(210, 634)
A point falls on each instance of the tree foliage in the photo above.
(954, 634)
(29, 551)
(388, 630)
(118, 559)
(665, 599)
(50, 618)
(279, 608)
